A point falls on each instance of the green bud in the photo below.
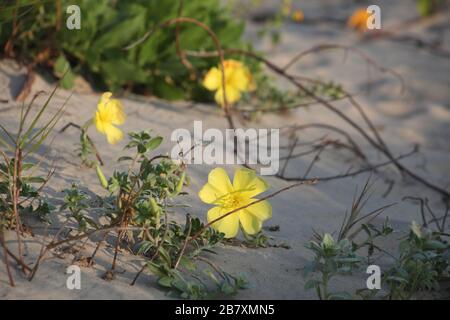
(416, 229)
(327, 240)
(101, 177)
(180, 184)
(154, 206)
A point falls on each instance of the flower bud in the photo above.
(101, 177)
(327, 240)
(155, 207)
(416, 229)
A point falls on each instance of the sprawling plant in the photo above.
(139, 207)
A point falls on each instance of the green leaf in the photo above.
(154, 143)
(155, 269)
(33, 180)
(168, 91)
(124, 158)
(425, 7)
(165, 282)
(188, 264)
(310, 284)
(435, 245)
(340, 296)
(62, 70)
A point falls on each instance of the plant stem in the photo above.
(15, 198)
(5, 254)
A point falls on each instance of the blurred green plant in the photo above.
(429, 7)
(35, 32)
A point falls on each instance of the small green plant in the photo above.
(20, 186)
(77, 203)
(186, 274)
(423, 262)
(259, 240)
(139, 206)
(331, 259)
(421, 265)
(342, 257)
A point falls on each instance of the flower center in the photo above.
(231, 201)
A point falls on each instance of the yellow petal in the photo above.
(209, 194)
(251, 82)
(218, 178)
(250, 223)
(228, 225)
(233, 95)
(105, 97)
(117, 115)
(250, 184)
(113, 135)
(231, 64)
(261, 210)
(213, 79)
(240, 79)
(99, 123)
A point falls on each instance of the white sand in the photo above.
(421, 115)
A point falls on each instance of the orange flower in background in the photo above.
(298, 16)
(358, 20)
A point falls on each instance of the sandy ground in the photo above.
(419, 115)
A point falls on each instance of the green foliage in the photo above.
(140, 200)
(196, 276)
(421, 264)
(77, 203)
(97, 49)
(19, 185)
(424, 261)
(330, 259)
(428, 7)
(85, 150)
(259, 240)
(271, 98)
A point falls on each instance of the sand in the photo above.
(418, 115)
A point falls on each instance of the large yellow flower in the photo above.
(238, 79)
(227, 197)
(109, 113)
(358, 20)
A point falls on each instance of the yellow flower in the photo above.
(227, 197)
(298, 16)
(358, 20)
(109, 113)
(238, 79)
